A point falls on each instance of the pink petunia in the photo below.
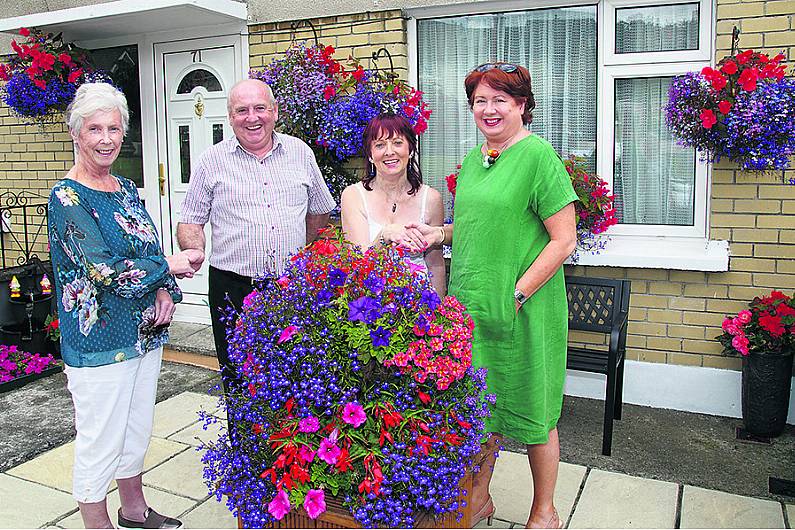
(287, 334)
(744, 316)
(329, 451)
(280, 505)
(250, 297)
(353, 414)
(308, 424)
(306, 454)
(314, 503)
(740, 343)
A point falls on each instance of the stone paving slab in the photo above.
(29, 505)
(210, 514)
(181, 475)
(180, 411)
(702, 508)
(162, 501)
(54, 468)
(196, 434)
(612, 500)
(512, 487)
(790, 514)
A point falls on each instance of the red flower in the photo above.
(45, 61)
(425, 398)
(24, 32)
(745, 56)
(329, 92)
(772, 324)
(358, 74)
(325, 247)
(4, 73)
(708, 118)
(724, 107)
(40, 83)
(784, 310)
(74, 75)
(65, 58)
(729, 68)
(420, 127)
(718, 81)
(17, 49)
(748, 79)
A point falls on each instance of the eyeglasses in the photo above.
(504, 67)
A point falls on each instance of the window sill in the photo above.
(690, 254)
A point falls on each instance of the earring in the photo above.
(371, 169)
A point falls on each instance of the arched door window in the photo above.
(199, 77)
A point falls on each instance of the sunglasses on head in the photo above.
(505, 67)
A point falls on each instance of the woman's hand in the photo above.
(434, 234)
(164, 308)
(409, 238)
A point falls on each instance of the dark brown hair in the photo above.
(389, 126)
(516, 84)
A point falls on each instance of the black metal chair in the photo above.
(601, 305)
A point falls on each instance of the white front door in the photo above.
(194, 78)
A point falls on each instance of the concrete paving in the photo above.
(35, 493)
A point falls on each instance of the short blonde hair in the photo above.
(91, 97)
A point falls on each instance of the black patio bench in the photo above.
(601, 305)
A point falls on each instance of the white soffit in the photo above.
(128, 17)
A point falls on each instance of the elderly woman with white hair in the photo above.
(116, 296)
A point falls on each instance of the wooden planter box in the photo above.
(25, 379)
(337, 516)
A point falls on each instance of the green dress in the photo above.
(499, 232)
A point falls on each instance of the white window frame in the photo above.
(643, 246)
(605, 163)
(702, 53)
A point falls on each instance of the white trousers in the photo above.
(114, 410)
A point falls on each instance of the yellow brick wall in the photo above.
(32, 159)
(676, 314)
(357, 36)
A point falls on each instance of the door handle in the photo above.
(162, 179)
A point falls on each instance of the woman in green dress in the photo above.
(514, 227)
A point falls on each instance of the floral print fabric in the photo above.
(108, 267)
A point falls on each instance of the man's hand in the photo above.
(195, 257)
(164, 308)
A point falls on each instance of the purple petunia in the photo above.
(353, 414)
(380, 337)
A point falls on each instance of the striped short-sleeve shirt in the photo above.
(256, 207)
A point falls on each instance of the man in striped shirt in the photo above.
(264, 197)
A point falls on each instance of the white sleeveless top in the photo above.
(417, 258)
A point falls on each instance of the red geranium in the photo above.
(766, 327)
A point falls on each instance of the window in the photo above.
(121, 62)
(657, 28)
(600, 84)
(558, 45)
(199, 77)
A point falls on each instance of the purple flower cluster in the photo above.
(29, 100)
(15, 363)
(320, 412)
(758, 132)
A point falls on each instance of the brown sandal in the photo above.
(152, 519)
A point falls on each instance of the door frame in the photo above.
(194, 307)
(160, 50)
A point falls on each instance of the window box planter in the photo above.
(25, 379)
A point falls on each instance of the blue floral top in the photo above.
(108, 265)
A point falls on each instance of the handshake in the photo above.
(186, 263)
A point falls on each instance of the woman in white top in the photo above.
(392, 195)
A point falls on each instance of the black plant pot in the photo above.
(20, 335)
(766, 390)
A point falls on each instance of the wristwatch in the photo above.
(519, 296)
